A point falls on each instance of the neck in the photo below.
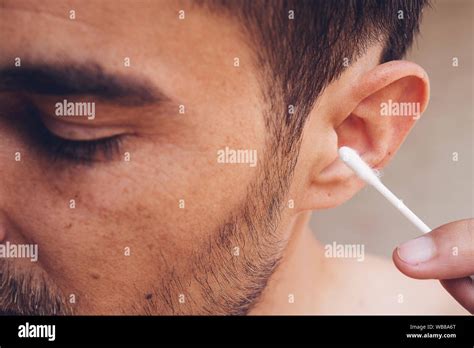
(298, 284)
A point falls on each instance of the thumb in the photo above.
(447, 252)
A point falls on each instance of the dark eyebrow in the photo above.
(80, 79)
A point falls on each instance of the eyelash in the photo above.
(80, 151)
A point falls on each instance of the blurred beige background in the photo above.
(423, 173)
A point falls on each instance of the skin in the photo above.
(452, 260)
(135, 204)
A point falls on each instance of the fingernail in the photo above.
(417, 250)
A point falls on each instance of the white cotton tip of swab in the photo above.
(352, 159)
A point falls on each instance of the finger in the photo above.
(447, 252)
(462, 290)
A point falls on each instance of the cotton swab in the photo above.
(352, 160)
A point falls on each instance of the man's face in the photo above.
(158, 222)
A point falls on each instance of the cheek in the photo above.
(154, 205)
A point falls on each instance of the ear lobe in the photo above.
(389, 100)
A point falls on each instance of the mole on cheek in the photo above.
(95, 275)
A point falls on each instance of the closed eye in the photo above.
(81, 151)
(75, 150)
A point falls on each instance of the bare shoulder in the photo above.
(379, 288)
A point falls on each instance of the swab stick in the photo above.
(363, 170)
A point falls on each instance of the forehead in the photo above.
(161, 39)
(114, 16)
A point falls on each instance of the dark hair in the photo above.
(299, 57)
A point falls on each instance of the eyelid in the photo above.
(81, 132)
(110, 122)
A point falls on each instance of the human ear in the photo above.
(380, 108)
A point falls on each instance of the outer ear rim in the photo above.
(387, 73)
